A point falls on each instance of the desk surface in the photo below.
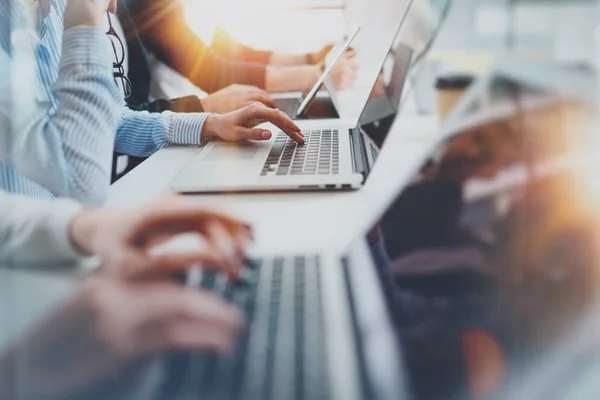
(292, 222)
(285, 222)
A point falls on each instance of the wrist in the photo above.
(313, 75)
(205, 102)
(309, 58)
(82, 231)
(210, 130)
(75, 17)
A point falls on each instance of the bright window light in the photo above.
(280, 25)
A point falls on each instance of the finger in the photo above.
(112, 6)
(242, 235)
(256, 122)
(277, 118)
(350, 53)
(167, 264)
(255, 134)
(223, 242)
(184, 318)
(266, 100)
(166, 302)
(175, 218)
(258, 91)
(188, 335)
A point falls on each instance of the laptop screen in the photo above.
(384, 101)
(487, 257)
(372, 46)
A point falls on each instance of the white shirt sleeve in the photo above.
(36, 231)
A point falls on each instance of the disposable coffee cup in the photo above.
(450, 89)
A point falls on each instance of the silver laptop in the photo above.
(387, 104)
(319, 326)
(334, 156)
(297, 107)
(419, 304)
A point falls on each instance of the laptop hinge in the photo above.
(360, 162)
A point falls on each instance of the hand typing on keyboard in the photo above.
(241, 124)
(126, 240)
(111, 327)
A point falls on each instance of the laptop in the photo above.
(385, 105)
(297, 107)
(333, 157)
(416, 307)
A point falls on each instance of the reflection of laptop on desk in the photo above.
(334, 156)
(297, 107)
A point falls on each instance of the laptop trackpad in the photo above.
(223, 151)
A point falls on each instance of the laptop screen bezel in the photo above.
(315, 89)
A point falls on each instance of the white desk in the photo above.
(285, 222)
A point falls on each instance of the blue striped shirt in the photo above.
(62, 142)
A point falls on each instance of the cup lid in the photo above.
(454, 81)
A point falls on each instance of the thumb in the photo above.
(255, 134)
(112, 6)
(166, 264)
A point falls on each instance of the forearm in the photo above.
(162, 27)
(141, 133)
(36, 231)
(66, 145)
(288, 79)
(287, 60)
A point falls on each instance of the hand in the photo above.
(344, 72)
(318, 57)
(110, 327)
(240, 125)
(234, 97)
(125, 240)
(87, 12)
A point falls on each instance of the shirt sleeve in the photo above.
(141, 133)
(71, 138)
(36, 231)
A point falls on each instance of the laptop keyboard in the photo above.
(319, 155)
(281, 353)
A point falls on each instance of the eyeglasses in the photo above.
(119, 50)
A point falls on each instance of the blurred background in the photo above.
(472, 33)
(557, 29)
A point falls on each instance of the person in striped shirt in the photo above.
(58, 127)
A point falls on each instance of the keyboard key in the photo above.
(318, 154)
(282, 354)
